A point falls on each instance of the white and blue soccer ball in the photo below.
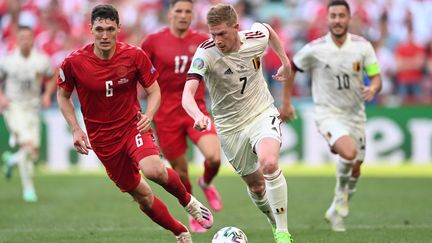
(230, 235)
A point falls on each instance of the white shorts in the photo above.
(23, 123)
(239, 147)
(334, 128)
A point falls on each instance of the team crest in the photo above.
(256, 63)
(356, 66)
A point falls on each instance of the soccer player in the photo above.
(338, 62)
(105, 75)
(172, 62)
(23, 71)
(243, 109)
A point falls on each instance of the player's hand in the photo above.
(203, 123)
(287, 113)
(144, 122)
(369, 93)
(282, 74)
(81, 142)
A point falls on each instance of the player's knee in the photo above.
(156, 174)
(269, 163)
(349, 154)
(213, 160)
(257, 189)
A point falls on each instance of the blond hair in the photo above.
(222, 13)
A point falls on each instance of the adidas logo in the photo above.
(228, 71)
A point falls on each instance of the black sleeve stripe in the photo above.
(297, 68)
(194, 76)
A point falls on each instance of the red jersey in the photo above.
(107, 89)
(172, 57)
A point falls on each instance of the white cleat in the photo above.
(184, 237)
(335, 220)
(341, 203)
(200, 213)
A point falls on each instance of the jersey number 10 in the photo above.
(343, 82)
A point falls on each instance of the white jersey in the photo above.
(337, 75)
(235, 81)
(23, 76)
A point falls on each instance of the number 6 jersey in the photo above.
(338, 74)
(107, 89)
(235, 81)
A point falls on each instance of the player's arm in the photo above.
(189, 104)
(284, 74)
(4, 102)
(373, 89)
(80, 139)
(153, 101)
(50, 87)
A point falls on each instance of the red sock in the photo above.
(176, 187)
(188, 185)
(159, 214)
(209, 172)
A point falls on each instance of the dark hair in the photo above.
(337, 3)
(104, 11)
(173, 2)
(25, 27)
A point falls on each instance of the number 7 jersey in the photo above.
(235, 81)
(338, 74)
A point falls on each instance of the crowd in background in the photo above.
(398, 29)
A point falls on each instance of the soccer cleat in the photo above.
(212, 195)
(7, 167)
(282, 237)
(29, 195)
(195, 227)
(184, 237)
(200, 213)
(335, 220)
(341, 203)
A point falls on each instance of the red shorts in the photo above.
(172, 135)
(121, 160)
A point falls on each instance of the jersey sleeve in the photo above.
(199, 65)
(65, 79)
(147, 72)
(303, 59)
(371, 62)
(259, 33)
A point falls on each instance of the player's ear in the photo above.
(237, 26)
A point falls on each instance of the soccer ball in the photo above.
(230, 235)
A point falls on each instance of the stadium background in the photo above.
(79, 204)
(399, 127)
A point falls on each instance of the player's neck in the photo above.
(25, 53)
(339, 40)
(178, 32)
(104, 54)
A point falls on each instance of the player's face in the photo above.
(225, 37)
(105, 33)
(338, 19)
(25, 40)
(180, 15)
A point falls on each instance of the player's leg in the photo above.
(156, 210)
(26, 170)
(154, 169)
(355, 175)
(209, 145)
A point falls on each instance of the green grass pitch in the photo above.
(74, 207)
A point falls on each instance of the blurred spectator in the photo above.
(409, 63)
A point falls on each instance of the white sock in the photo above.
(26, 169)
(343, 173)
(277, 193)
(263, 205)
(17, 156)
